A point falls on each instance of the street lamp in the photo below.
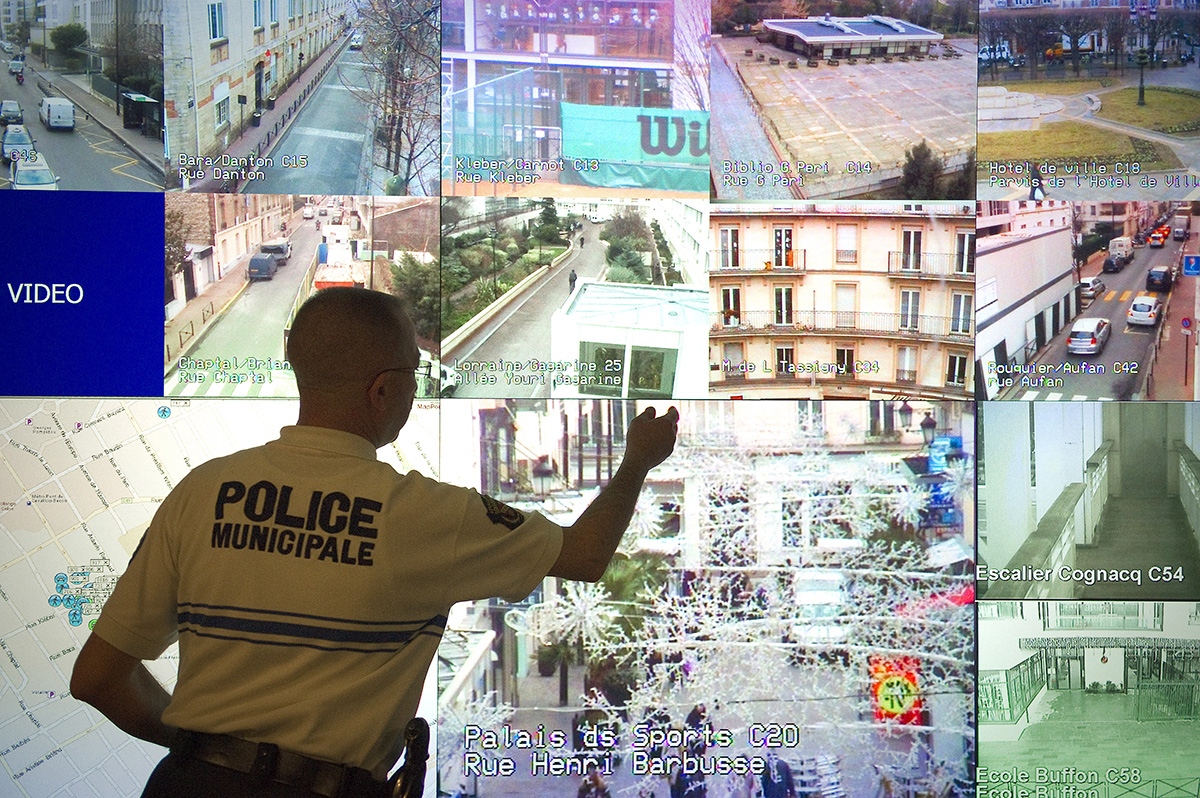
(1138, 15)
(905, 412)
(928, 427)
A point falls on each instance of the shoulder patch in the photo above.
(500, 513)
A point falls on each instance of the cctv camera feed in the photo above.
(1088, 500)
(1080, 100)
(575, 99)
(82, 479)
(821, 99)
(570, 298)
(791, 610)
(337, 97)
(238, 269)
(1087, 698)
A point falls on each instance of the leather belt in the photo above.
(268, 762)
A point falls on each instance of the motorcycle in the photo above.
(21, 78)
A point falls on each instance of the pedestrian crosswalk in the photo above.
(1052, 396)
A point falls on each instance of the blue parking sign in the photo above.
(1191, 265)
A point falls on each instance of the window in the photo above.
(783, 248)
(609, 362)
(258, 19)
(964, 253)
(961, 317)
(845, 361)
(222, 110)
(783, 304)
(956, 371)
(910, 309)
(883, 417)
(906, 364)
(731, 306)
(785, 359)
(651, 373)
(845, 297)
(911, 251)
(732, 354)
(847, 243)
(216, 21)
(729, 247)
(811, 417)
(274, 11)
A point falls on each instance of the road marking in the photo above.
(1109, 296)
(1029, 396)
(330, 134)
(1053, 397)
(1106, 398)
(1078, 398)
(1126, 295)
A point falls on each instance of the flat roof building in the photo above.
(850, 37)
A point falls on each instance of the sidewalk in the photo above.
(76, 88)
(1168, 366)
(256, 142)
(186, 330)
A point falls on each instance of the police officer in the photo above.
(308, 584)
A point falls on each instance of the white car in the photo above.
(1145, 309)
(32, 175)
(309, 212)
(356, 41)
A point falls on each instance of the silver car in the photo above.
(1091, 287)
(1088, 336)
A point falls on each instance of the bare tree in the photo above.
(1115, 24)
(993, 32)
(1028, 31)
(1076, 25)
(693, 32)
(401, 44)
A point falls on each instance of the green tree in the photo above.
(922, 168)
(549, 214)
(419, 287)
(67, 37)
(177, 233)
(962, 185)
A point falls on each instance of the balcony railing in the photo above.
(842, 322)
(791, 261)
(931, 264)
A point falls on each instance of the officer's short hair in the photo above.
(339, 329)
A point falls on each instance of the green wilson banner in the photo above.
(658, 148)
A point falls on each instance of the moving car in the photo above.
(1157, 239)
(309, 212)
(1112, 264)
(10, 113)
(16, 66)
(1088, 336)
(1091, 287)
(32, 175)
(1145, 309)
(18, 144)
(57, 112)
(1159, 279)
(356, 41)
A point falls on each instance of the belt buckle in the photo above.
(266, 762)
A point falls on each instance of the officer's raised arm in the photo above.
(589, 543)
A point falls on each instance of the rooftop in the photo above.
(649, 307)
(837, 29)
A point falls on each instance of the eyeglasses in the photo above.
(421, 370)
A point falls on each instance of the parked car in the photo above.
(32, 175)
(281, 248)
(1159, 279)
(1091, 287)
(262, 267)
(1145, 309)
(1088, 336)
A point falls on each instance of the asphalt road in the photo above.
(86, 159)
(1128, 343)
(333, 132)
(522, 330)
(252, 327)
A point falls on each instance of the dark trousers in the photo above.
(180, 776)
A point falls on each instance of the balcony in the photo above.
(792, 261)
(841, 322)
(931, 265)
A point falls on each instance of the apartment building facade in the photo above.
(842, 301)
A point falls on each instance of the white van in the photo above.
(1122, 248)
(57, 112)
